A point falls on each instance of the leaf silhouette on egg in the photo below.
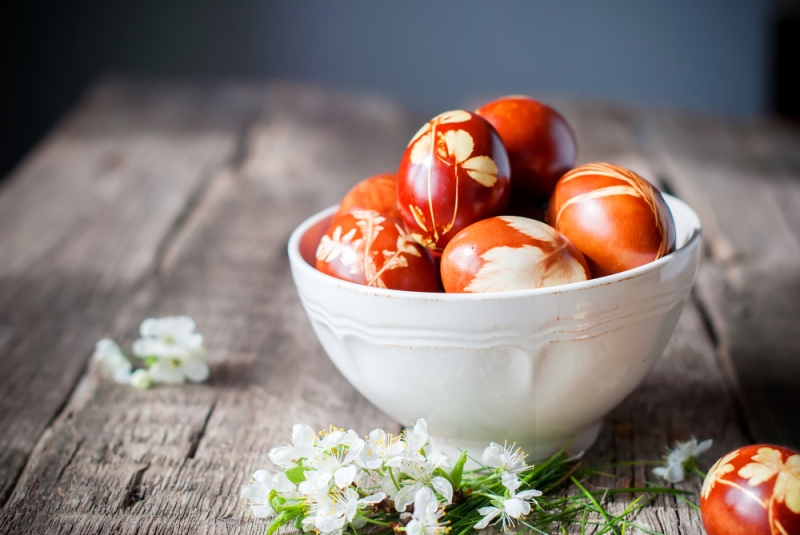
(518, 268)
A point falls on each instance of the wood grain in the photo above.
(155, 199)
(744, 180)
(82, 224)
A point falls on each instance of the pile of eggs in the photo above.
(491, 201)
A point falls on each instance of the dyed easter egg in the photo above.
(541, 145)
(367, 248)
(453, 173)
(616, 218)
(377, 193)
(510, 253)
(754, 490)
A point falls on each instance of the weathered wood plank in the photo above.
(174, 459)
(82, 224)
(745, 182)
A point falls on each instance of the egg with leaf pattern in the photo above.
(377, 193)
(453, 173)
(754, 490)
(508, 253)
(616, 218)
(367, 248)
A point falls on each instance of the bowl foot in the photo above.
(582, 441)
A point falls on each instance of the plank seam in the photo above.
(13, 481)
(237, 157)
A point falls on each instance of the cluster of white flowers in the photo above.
(335, 479)
(683, 456)
(171, 350)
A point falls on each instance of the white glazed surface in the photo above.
(536, 367)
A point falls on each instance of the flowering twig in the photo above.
(334, 481)
(170, 349)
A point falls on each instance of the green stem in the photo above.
(376, 522)
(594, 502)
(391, 474)
(698, 472)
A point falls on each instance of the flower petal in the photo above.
(510, 480)
(196, 370)
(491, 455)
(375, 498)
(515, 508)
(344, 476)
(414, 527)
(489, 513)
(405, 496)
(703, 446)
(165, 372)
(444, 487)
(527, 494)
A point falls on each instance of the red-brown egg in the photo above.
(510, 253)
(616, 218)
(367, 248)
(541, 145)
(754, 490)
(377, 193)
(453, 173)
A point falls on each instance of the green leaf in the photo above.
(296, 475)
(458, 471)
(298, 523)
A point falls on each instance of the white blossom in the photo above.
(256, 494)
(679, 457)
(426, 516)
(304, 445)
(174, 352)
(381, 450)
(112, 361)
(417, 439)
(419, 474)
(329, 513)
(508, 460)
(172, 337)
(510, 509)
(333, 462)
(178, 371)
(141, 379)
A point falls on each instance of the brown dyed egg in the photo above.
(453, 173)
(541, 145)
(510, 253)
(377, 193)
(367, 248)
(616, 218)
(754, 490)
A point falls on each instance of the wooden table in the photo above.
(154, 199)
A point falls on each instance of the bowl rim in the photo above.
(297, 262)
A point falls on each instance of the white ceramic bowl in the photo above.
(536, 367)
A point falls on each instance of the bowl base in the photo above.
(581, 441)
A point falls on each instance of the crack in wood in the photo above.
(198, 436)
(71, 458)
(5, 494)
(135, 490)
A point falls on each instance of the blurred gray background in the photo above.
(709, 56)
